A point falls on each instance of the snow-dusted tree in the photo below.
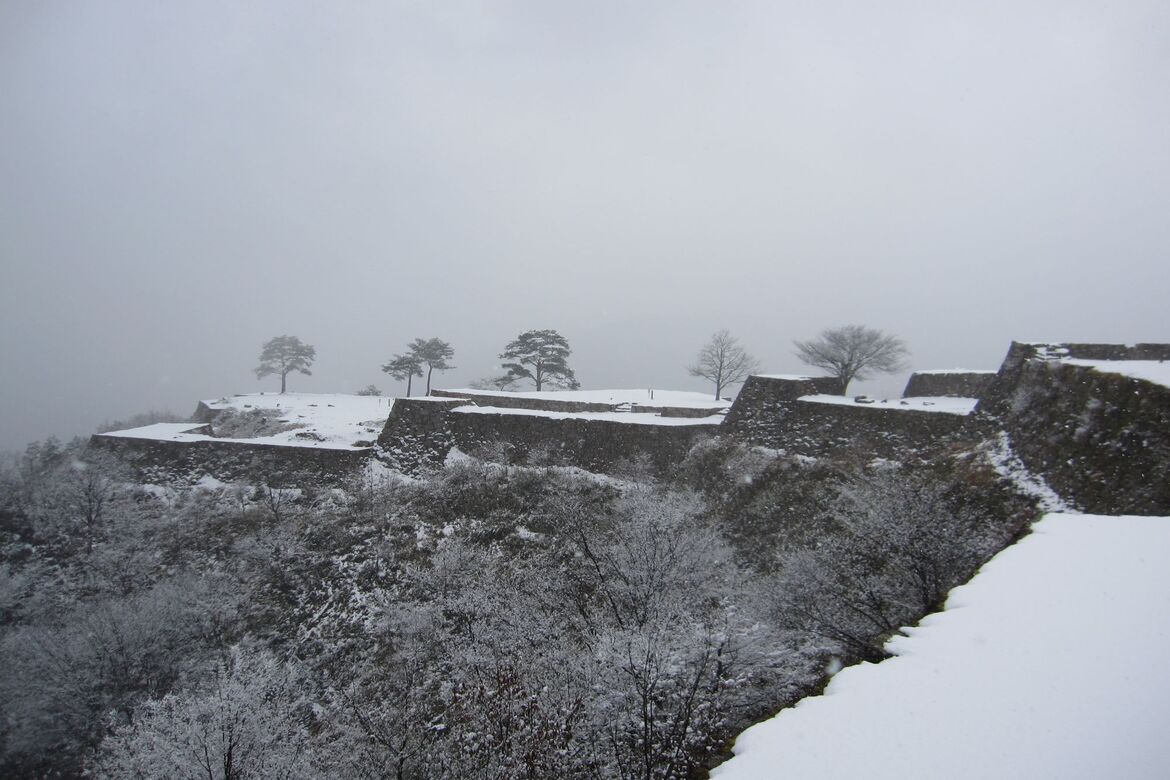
(541, 356)
(723, 361)
(244, 722)
(903, 542)
(406, 367)
(71, 498)
(89, 486)
(434, 354)
(853, 352)
(59, 681)
(282, 355)
(656, 594)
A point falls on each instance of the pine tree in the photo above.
(284, 354)
(434, 354)
(542, 356)
(406, 367)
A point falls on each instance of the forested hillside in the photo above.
(489, 620)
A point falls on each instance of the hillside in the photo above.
(491, 585)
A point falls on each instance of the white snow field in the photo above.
(1048, 664)
(922, 403)
(675, 398)
(326, 420)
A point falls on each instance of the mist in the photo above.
(180, 183)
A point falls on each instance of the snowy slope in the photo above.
(1048, 664)
(325, 420)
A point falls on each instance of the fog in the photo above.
(181, 182)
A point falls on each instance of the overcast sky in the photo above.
(180, 182)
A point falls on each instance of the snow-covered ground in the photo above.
(1150, 370)
(1046, 665)
(636, 418)
(676, 398)
(944, 404)
(325, 420)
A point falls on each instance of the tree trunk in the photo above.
(409, 377)
(429, 370)
(283, 375)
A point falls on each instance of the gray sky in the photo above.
(180, 182)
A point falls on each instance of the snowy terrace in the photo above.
(1038, 667)
(631, 418)
(939, 404)
(681, 399)
(322, 420)
(1155, 371)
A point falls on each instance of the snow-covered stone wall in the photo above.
(1100, 439)
(764, 401)
(162, 462)
(770, 412)
(506, 400)
(422, 432)
(417, 437)
(959, 384)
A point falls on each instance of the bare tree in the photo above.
(903, 541)
(242, 723)
(853, 352)
(723, 361)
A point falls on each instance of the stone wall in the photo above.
(820, 429)
(512, 401)
(163, 462)
(956, 384)
(419, 435)
(763, 403)
(1107, 351)
(416, 436)
(1101, 440)
(692, 412)
(596, 445)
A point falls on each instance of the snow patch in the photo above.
(643, 396)
(924, 403)
(789, 377)
(1007, 464)
(635, 418)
